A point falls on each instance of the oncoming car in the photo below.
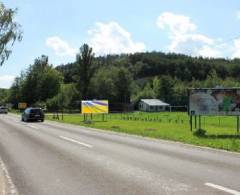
(3, 110)
(33, 114)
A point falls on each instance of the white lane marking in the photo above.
(33, 127)
(223, 188)
(76, 141)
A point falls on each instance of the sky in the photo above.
(58, 29)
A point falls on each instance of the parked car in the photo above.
(33, 114)
(3, 110)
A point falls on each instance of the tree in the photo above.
(85, 70)
(156, 86)
(122, 83)
(3, 96)
(103, 86)
(41, 81)
(62, 100)
(15, 92)
(166, 89)
(10, 31)
(212, 79)
(180, 97)
(50, 84)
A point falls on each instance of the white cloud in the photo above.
(177, 24)
(111, 38)
(236, 48)
(195, 45)
(208, 51)
(60, 47)
(185, 38)
(6, 81)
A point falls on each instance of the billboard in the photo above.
(22, 105)
(94, 106)
(214, 101)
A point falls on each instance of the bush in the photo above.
(200, 132)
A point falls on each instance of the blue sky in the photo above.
(59, 28)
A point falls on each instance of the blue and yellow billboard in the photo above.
(94, 106)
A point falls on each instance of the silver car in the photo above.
(3, 110)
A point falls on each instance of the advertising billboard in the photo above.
(214, 101)
(94, 106)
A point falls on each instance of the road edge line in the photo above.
(12, 189)
(224, 189)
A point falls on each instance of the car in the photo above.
(3, 110)
(33, 114)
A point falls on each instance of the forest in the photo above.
(121, 79)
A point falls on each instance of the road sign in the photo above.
(22, 105)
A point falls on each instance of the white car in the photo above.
(3, 110)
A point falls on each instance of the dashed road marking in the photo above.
(228, 190)
(33, 127)
(76, 141)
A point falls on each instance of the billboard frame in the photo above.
(197, 117)
(101, 109)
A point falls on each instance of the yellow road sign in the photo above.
(22, 105)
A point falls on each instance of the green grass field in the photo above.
(220, 131)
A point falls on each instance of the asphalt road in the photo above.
(52, 158)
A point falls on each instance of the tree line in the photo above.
(121, 79)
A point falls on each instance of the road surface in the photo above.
(52, 158)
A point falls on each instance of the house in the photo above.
(152, 105)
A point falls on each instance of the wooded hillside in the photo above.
(122, 79)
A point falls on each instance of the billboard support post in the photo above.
(191, 122)
(84, 117)
(237, 123)
(199, 122)
(195, 121)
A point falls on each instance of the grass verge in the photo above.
(220, 131)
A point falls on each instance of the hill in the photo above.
(147, 70)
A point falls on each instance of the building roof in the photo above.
(154, 102)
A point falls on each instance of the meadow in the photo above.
(220, 133)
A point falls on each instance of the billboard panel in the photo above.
(94, 106)
(214, 101)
